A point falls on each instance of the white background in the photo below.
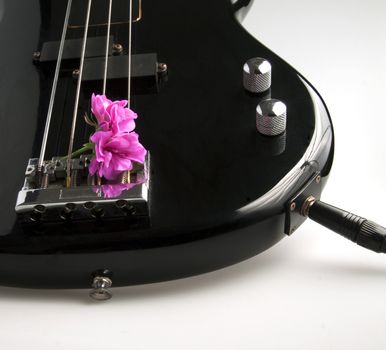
(314, 290)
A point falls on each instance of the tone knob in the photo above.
(257, 75)
(271, 117)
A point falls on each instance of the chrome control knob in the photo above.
(257, 74)
(271, 117)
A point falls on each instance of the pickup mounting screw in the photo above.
(162, 67)
(293, 206)
(117, 48)
(36, 55)
(318, 179)
(75, 73)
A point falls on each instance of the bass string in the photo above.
(129, 53)
(129, 46)
(107, 47)
(76, 105)
(54, 86)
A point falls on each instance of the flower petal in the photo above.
(93, 167)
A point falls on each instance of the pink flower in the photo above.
(114, 153)
(111, 115)
(116, 145)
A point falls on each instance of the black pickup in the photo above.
(96, 47)
(144, 69)
(144, 73)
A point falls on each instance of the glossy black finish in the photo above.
(215, 198)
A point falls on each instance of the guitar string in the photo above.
(54, 86)
(137, 19)
(107, 47)
(129, 54)
(76, 106)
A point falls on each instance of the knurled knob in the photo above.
(271, 117)
(257, 74)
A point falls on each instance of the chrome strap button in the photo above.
(100, 288)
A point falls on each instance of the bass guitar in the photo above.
(145, 141)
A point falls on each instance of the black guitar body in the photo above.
(219, 189)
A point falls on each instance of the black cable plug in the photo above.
(355, 228)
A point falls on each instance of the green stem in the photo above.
(85, 148)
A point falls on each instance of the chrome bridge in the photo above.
(45, 196)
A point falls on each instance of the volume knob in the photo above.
(271, 117)
(257, 75)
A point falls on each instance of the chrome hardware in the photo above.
(162, 67)
(257, 75)
(308, 203)
(36, 56)
(298, 206)
(271, 117)
(45, 198)
(100, 288)
(117, 49)
(75, 74)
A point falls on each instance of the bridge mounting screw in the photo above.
(318, 179)
(100, 288)
(293, 206)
